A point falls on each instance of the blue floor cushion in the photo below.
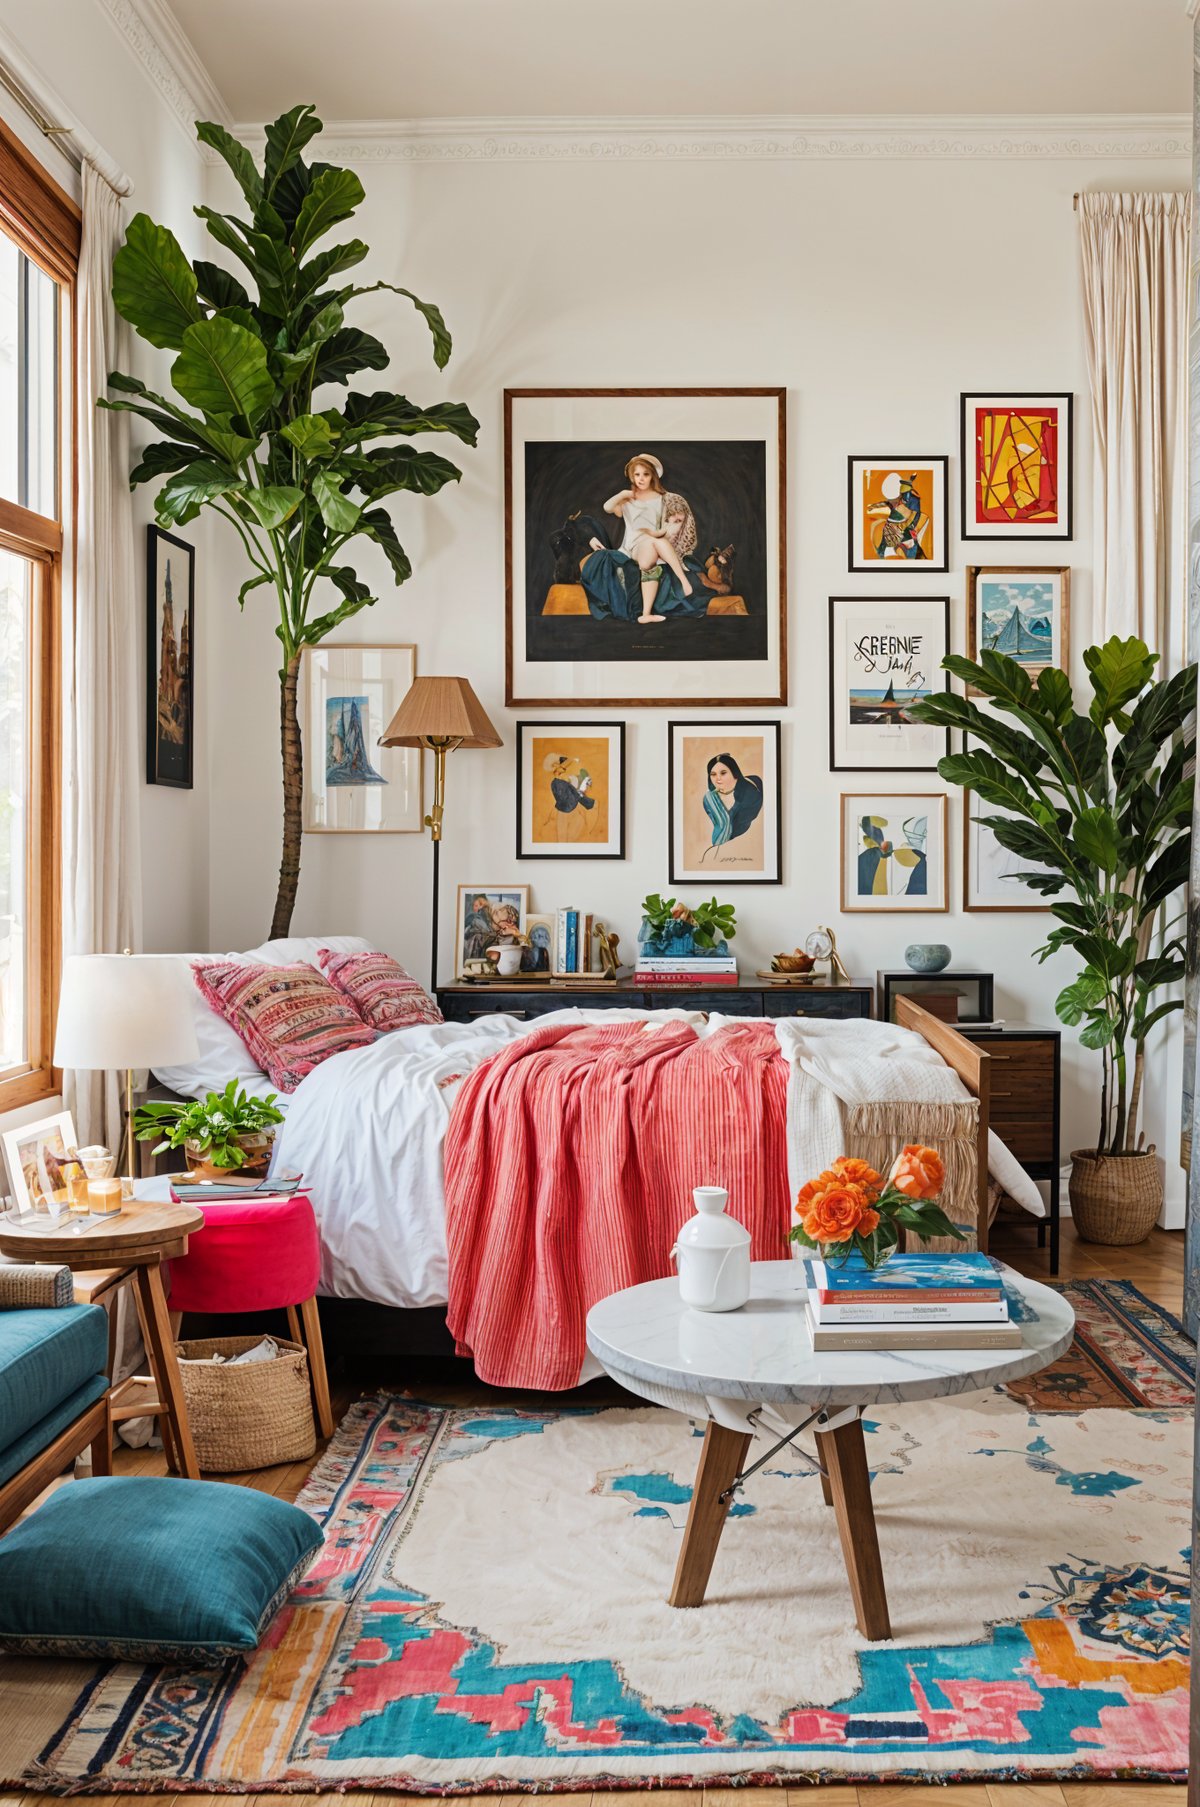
(150, 1569)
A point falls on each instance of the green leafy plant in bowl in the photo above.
(227, 1131)
(670, 927)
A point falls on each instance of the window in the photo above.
(39, 248)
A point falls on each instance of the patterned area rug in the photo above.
(489, 1611)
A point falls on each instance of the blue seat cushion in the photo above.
(147, 1568)
(43, 1433)
(46, 1354)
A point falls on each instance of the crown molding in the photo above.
(158, 42)
(754, 138)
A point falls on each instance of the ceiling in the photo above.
(413, 59)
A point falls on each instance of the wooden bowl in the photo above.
(792, 963)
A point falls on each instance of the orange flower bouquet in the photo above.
(850, 1208)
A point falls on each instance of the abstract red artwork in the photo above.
(1016, 455)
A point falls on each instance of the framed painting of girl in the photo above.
(724, 802)
(645, 546)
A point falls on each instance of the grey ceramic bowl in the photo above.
(927, 956)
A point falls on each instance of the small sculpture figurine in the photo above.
(608, 944)
(822, 945)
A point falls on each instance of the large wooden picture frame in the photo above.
(902, 837)
(645, 547)
(1023, 611)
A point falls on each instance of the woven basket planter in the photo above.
(1115, 1198)
(246, 1415)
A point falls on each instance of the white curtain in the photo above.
(102, 635)
(1135, 292)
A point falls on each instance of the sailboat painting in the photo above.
(1022, 612)
(885, 655)
(352, 785)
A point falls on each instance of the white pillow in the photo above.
(223, 1055)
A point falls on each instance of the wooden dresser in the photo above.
(464, 1002)
(1026, 1097)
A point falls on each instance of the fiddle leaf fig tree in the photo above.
(252, 431)
(1100, 805)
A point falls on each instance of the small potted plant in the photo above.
(674, 929)
(226, 1132)
(851, 1208)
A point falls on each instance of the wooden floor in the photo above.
(1155, 1266)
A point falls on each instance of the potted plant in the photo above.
(226, 1132)
(302, 474)
(670, 928)
(1100, 804)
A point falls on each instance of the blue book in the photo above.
(572, 940)
(970, 1273)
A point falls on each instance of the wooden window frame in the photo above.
(46, 225)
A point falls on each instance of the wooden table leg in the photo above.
(164, 1366)
(826, 1489)
(102, 1446)
(316, 1365)
(720, 1463)
(845, 1456)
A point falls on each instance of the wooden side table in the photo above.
(139, 1240)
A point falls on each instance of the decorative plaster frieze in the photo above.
(160, 45)
(751, 139)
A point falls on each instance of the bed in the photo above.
(401, 1142)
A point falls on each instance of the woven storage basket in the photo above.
(1115, 1198)
(248, 1414)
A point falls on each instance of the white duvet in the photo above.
(367, 1128)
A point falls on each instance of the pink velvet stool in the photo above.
(259, 1255)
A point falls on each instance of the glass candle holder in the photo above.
(104, 1197)
(77, 1189)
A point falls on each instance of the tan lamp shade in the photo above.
(440, 709)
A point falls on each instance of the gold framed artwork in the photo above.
(1023, 611)
(896, 511)
(352, 785)
(893, 851)
(484, 913)
(570, 790)
(645, 547)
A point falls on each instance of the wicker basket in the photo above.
(246, 1414)
(1115, 1198)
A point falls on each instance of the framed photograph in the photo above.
(894, 851)
(723, 801)
(570, 790)
(990, 879)
(35, 1155)
(645, 546)
(1021, 610)
(1017, 464)
(884, 655)
(897, 513)
(170, 659)
(538, 957)
(484, 913)
(352, 785)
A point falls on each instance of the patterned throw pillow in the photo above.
(290, 1018)
(384, 995)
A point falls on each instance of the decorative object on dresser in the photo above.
(680, 944)
(1017, 466)
(170, 659)
(724, 805)
(1102, 803)
(927, 956)
(894, 851)
(884, 655)
(645, 541)
(1023, 611)
(123, 1011)
(974, 993)
(466, 1002)
(897, 513)
(822, 945)
(442, 714)
(571, 790)
(257, 362)
(1025, 1104)
(354, 782)
(486, 912)
(229, 1132)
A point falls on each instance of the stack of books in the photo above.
(911, 1302)
(694, 969)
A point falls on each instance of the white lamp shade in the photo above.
(124, 1010)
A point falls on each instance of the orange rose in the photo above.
(858, 1173)
(814, 1188)
(837, 1213)
(919, 1172)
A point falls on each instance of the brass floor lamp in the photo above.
(442, 714)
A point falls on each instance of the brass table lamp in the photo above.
(442, 714)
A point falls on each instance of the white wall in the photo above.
(875, 291)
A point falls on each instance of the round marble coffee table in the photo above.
(755, 1371)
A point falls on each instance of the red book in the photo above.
(660, 981)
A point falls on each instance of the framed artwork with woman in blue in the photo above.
(724, 802)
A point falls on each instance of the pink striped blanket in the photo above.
(570, 1160)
